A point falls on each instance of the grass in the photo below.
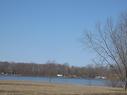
(37, 88)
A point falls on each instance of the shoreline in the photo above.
(60, 80)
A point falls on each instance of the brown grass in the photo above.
(37, 88)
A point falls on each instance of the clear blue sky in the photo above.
(42, 30)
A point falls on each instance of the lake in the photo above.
(78, 81)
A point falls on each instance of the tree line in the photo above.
(51, 69)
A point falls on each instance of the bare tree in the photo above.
(110, 43)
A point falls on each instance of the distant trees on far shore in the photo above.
(52, 70)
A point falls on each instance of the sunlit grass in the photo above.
(37, 88)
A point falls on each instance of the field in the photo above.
(37, 88)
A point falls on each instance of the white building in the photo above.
(59, 75)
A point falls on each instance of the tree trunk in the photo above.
(126, 81)
(125, 85)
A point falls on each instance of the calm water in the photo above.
(79, 81)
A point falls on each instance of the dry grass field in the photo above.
(37, 88)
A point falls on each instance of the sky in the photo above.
(50, 30)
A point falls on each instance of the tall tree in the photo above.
(109, 41)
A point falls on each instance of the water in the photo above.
(78, 81)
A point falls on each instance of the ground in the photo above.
(38, 88)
